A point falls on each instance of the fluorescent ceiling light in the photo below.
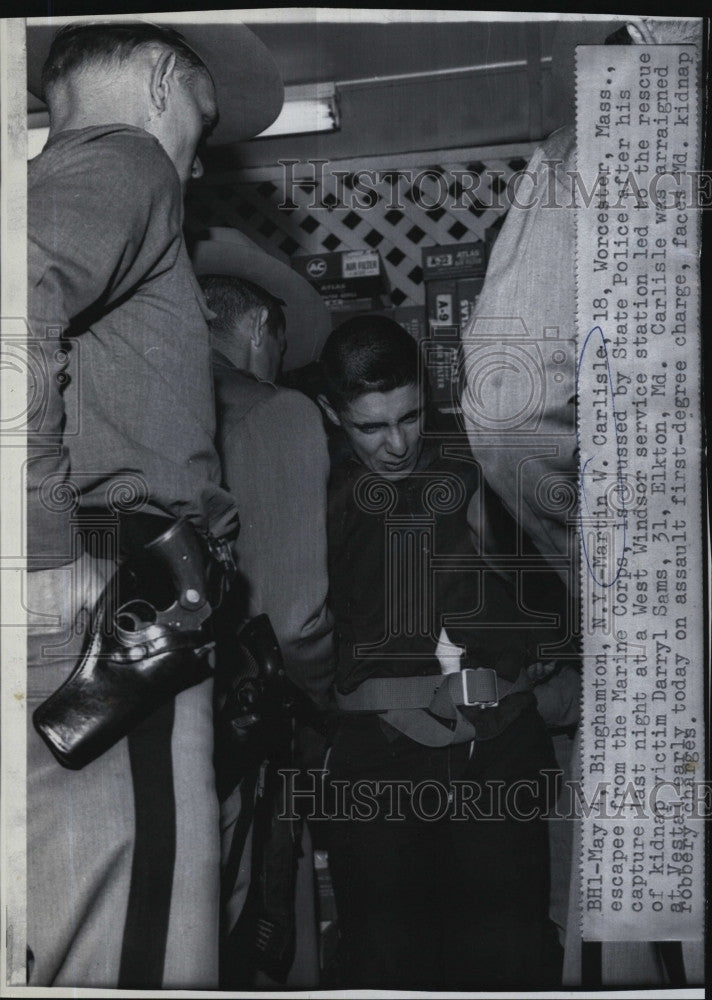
(310, 107)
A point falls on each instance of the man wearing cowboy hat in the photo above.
(275, 462)
(123, 855)
(276, 434)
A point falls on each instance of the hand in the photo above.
(66, 595)
(654, 31)
(448, 654)
(539, 672)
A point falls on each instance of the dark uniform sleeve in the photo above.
(104, 213)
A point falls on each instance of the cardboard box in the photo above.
(452, 303)
(412, 319)
(348, 279)
(441, 301)
(454, 276)
(442, 357)
(468, 292)
(454, 260)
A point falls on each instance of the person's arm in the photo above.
(102, 215)
(558, 695)
(498, 639)
(276, 460)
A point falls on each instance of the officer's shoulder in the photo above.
(119, 157)
(128, 152)
(294, 403)
(139, 153)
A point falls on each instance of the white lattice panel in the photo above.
(305, 208)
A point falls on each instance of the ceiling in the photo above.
(328, 51)
(420, 85)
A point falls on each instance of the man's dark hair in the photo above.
(369, 354)
(230, 298)
(78, 45)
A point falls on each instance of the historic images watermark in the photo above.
(640, 183)
(313, 794)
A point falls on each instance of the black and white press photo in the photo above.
(353, 543)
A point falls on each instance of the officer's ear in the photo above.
(163, 65)
(328, 410)
(259, 326)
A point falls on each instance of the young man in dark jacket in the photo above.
(438, 850)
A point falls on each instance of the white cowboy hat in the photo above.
(228, 251)
(249, 87)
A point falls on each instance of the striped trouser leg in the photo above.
(123, 856)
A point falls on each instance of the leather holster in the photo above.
(150, 638)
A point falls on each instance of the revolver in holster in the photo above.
(150, 638)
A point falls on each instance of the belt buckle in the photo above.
(468, 676)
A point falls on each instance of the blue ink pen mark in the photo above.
(597, 331)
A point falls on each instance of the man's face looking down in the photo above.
(384, 429)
